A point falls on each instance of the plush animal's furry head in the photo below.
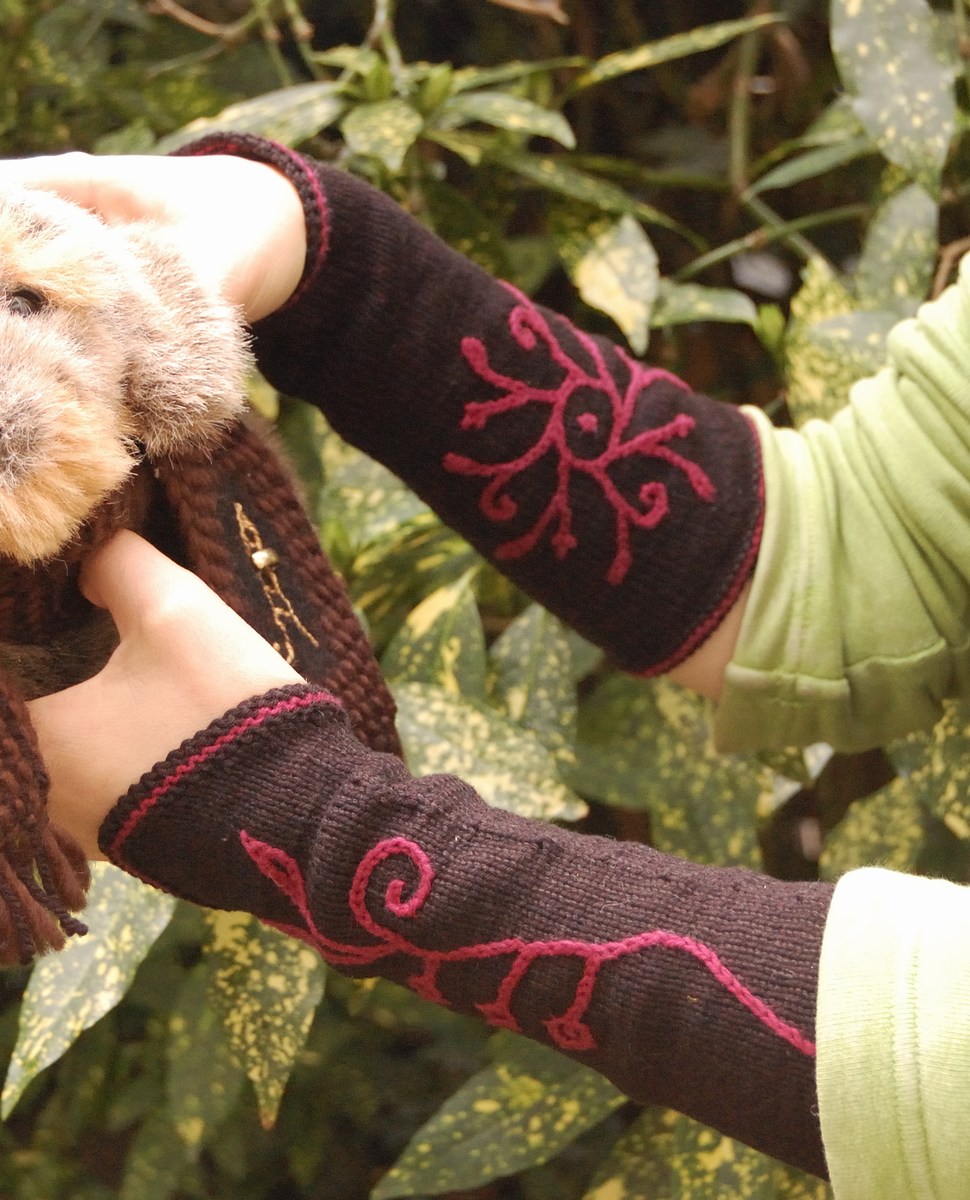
(110, 349)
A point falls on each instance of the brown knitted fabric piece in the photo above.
(243, 530)
(686, 985)
(233, 517)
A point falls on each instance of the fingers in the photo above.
(130, 577)
(69, 175)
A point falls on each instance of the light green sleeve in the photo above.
(893, 1034)
(857, 623)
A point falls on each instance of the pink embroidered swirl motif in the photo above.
(529, 327)
(567, 1030)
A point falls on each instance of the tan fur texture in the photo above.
(109, 347)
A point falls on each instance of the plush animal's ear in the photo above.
(188, 350)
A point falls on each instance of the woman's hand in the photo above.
(184, 659)
(239, 222)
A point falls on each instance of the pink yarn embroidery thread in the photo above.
(529, 328)
(568, 1030)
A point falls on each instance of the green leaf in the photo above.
(667, 1156)
(504, 112)
(71, 990)
(899, 253)
(267, 987)
(370, 502)
(467, 228)
(478, 77)
(684, 303)
(156, 1162)
(385, 130)
(940, 782)
(517, 1113)
(390, 577)
(435, 88)
(651, 54)
(819, 375)
(890, 828)
(531, 666)
(559, 177)
(203, 1079)
(289, 115)
(509, 766)
(646, 745)
(813, 163)
(615, 269)
(442, 642)
(890, 59)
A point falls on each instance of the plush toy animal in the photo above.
(122, 385)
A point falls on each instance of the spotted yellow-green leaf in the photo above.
(509, 766)
(441, 642)
(517, 1113)
(156, 1163)
(289, 115)
(819, 374)
(69, 991)
(385, 130)
(899, 253)
(203, 1078)
(892, 62)
(647, 745)
(504, 111)
(390, 577)
(467, 78)
(891, 828)
(566, 180)
(615, 269)
(531, 677)
(684, 303)
(266, 987)
(939, 779)
(370, 502)
(681, 45)
(665, 1156)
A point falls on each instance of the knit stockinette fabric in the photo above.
(686, 985)
(608, 490)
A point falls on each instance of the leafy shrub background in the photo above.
(752, 193)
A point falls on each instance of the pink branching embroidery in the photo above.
(567, 1030)
(529, 327)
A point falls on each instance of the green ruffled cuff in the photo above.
(893, 1031)
(857, 624)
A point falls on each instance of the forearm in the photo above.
(687, 986)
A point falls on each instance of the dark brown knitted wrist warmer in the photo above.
(688, 986)
(628, 505)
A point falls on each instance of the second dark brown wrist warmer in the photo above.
(685, 985)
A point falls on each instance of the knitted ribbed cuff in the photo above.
(685, 985)
(299, 171)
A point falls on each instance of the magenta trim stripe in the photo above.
(711, 622)
(260, 717)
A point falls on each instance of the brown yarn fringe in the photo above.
(43, 872)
